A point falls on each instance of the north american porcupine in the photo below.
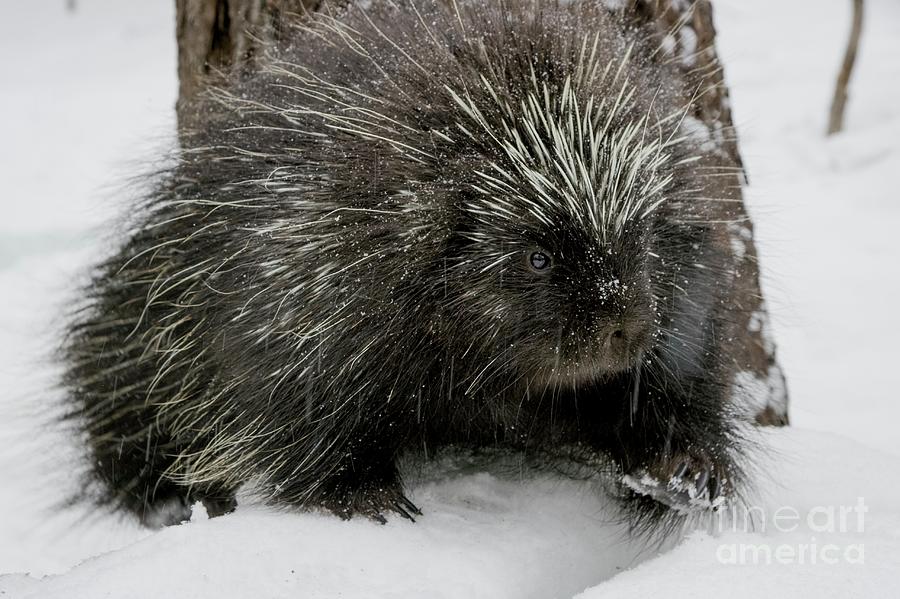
(416, 225)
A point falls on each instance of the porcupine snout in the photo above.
(619, 338)
(618, 341)
(610, 330)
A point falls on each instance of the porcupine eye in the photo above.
(539, 261)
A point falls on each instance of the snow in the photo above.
(824, 210)
(90, 94)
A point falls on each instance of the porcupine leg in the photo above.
(139, 486)
(131, 472)
(132, 469)
(361, 480)
(670, 436)
(218, 502)
(672, 441)
(369, 496)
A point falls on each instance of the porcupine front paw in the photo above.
(685, 482)
(372, 501)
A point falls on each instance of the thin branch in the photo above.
(836, 120)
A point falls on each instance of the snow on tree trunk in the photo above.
(215, 37)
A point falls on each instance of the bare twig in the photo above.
(836, 120)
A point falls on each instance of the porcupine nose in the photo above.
(622, 340)
(616, 340)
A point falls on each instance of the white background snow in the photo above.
(85, 96)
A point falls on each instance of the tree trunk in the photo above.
(218, 36)
(687, 38)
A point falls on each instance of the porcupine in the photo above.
(417, 225)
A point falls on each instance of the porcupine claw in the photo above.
(686, 483)
(412, 507)
(400, 510)
(406, 508)
(373, 503)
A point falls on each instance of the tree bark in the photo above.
(839, 102)
(219, 36)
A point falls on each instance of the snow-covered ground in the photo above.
(84, 96)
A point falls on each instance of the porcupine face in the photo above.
(556, 238)
(564, 305)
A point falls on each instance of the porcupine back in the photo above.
(300, 283)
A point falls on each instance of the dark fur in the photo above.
(299, 304)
